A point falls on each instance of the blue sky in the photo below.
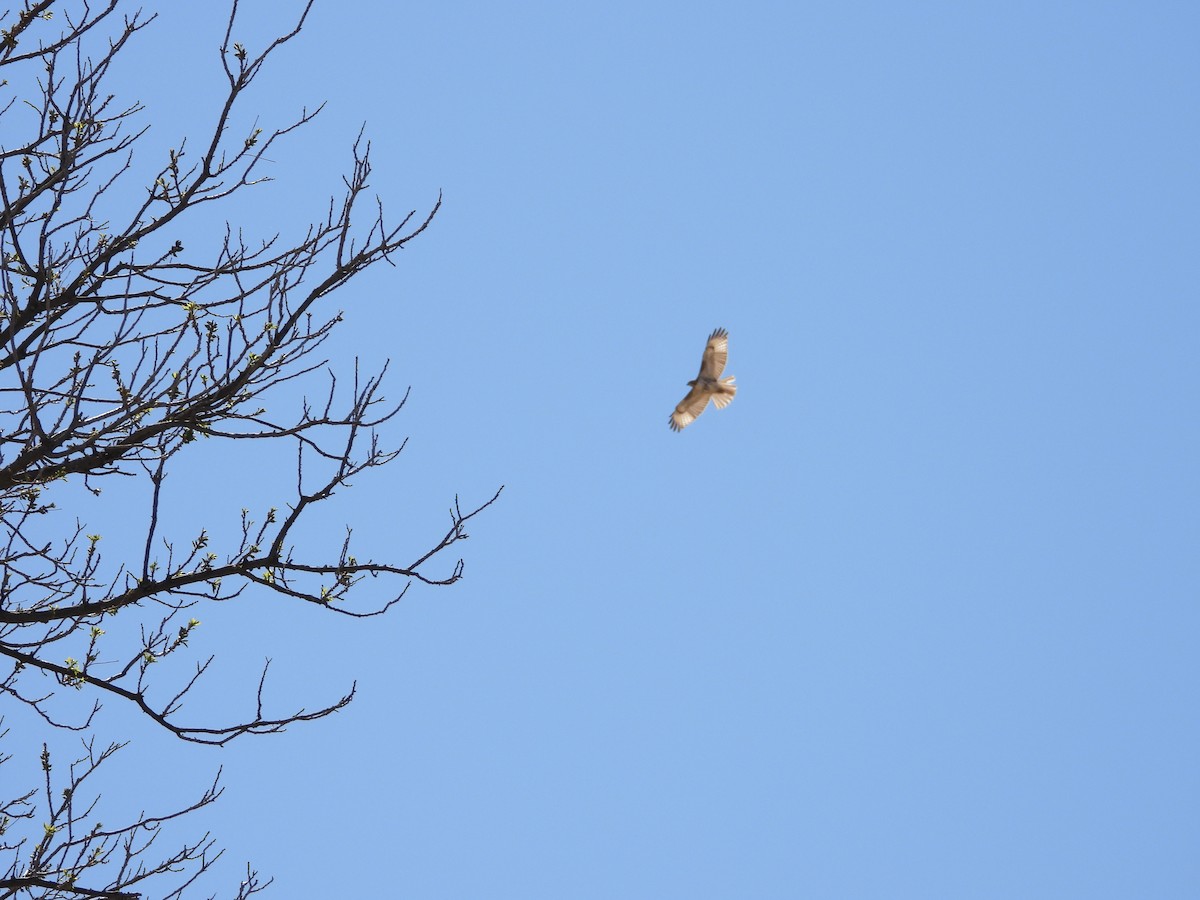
(915, 617)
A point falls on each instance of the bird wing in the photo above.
(689, 407)
(716, 352)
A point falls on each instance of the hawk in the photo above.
(708, 384)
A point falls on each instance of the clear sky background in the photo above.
(916, 617)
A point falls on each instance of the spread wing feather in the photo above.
(716, 353)
(689, 408)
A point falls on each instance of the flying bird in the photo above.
(708, 385)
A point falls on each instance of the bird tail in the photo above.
(725, 395)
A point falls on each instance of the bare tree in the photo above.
(72, 845)
(122, 352)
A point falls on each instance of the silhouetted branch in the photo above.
(73, 854)
(123, 352)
